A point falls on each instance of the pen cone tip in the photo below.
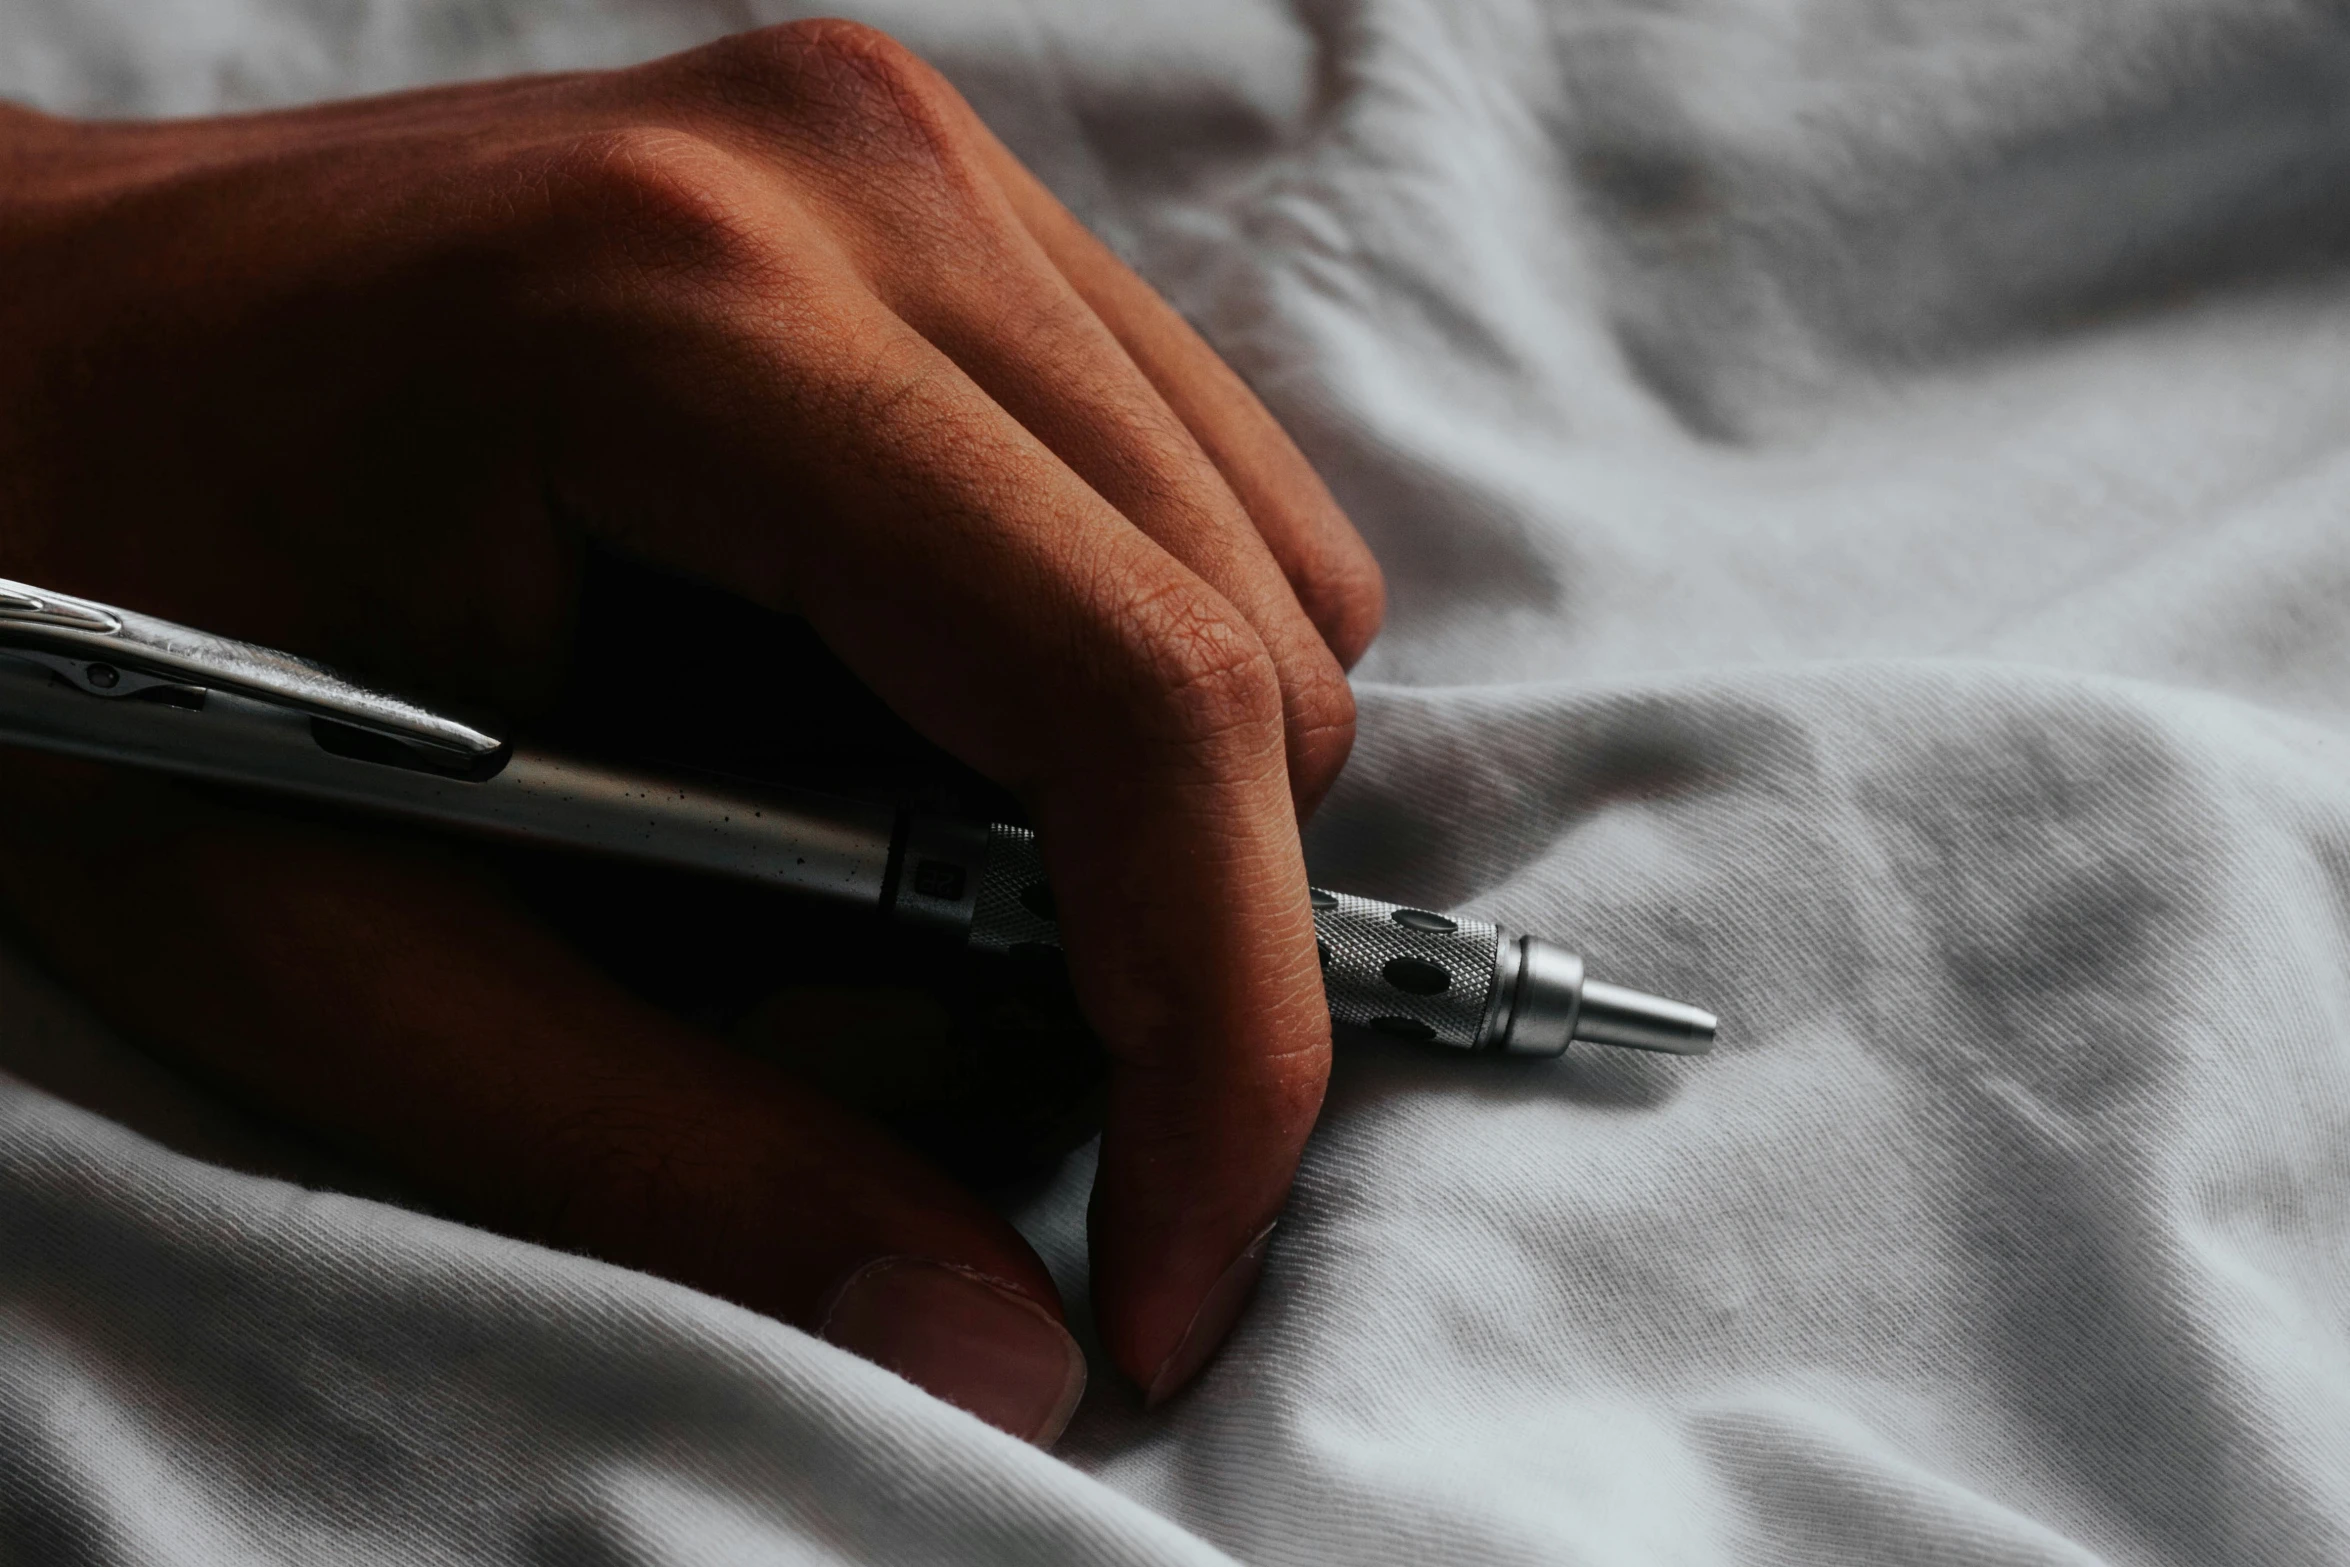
(1613, 1015)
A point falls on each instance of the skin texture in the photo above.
(780, 314)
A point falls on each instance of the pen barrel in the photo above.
(87, 680)
(1410, 973)
(817, 845)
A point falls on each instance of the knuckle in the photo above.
(858, 90)
(650, 197)
(860, 50)
(1211, 677)
(1321, 712)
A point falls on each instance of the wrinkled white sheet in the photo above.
(1864, 488)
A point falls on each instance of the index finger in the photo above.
(1007, 611)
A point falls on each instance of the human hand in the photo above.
(361, 380)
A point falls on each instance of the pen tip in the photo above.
(1613, 1015)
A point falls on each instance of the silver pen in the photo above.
(91, 680)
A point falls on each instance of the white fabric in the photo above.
(1862, 482)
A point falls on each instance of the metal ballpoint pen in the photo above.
(91, 680)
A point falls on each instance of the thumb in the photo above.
(400, 1003)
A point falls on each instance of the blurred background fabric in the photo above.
(1866, 492)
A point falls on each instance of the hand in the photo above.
(780, 314)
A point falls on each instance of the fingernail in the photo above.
(1218, 1310)
(964, 1338)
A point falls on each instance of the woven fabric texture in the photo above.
(1863, 483)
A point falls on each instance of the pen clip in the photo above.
(109, 652)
